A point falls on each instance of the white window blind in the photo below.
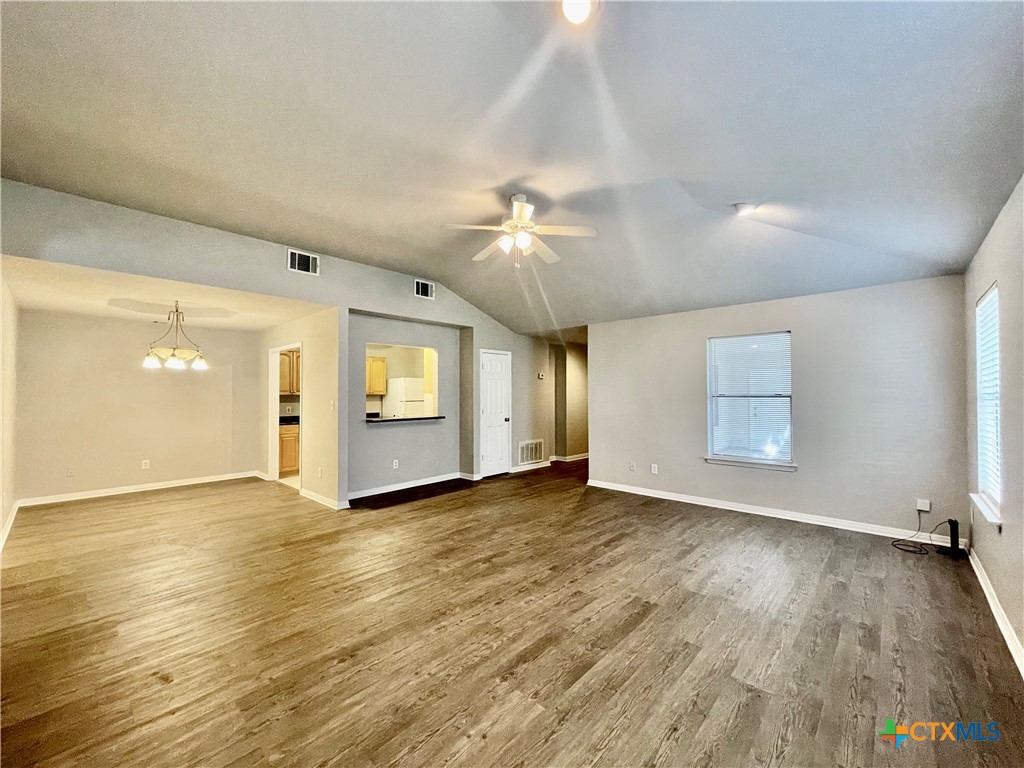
(750, 397)
(987, 343)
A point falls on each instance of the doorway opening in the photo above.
(285, 412)
(569, 362)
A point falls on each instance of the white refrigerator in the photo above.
(404, 399)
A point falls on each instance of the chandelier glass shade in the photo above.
(175, 357)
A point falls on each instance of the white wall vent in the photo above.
(303, 262)
(424, 289)
(531, 451)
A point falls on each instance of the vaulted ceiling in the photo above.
(880, 140)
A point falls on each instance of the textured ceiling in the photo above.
(79, 290)
(880, 139)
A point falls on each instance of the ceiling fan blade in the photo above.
(486, 251)
(474, 226)
(522, 211)
(544, 252)
(567, 231)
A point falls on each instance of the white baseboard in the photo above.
(329, 503)
(470, 476)
(261, 475)
(99, 493)
(1013, 642)
(403, 486)
(799, 517)
(575, 457)
(528, 467)
(7, 525)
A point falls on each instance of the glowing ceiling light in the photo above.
(523, 240)
(577, 11)
(506, 242)
(744, 209)
(177, 356)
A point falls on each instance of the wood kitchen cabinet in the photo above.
(290, 372)
(376, 375)
(288, 454)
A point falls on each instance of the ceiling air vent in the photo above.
(424, 289)
(303, 262)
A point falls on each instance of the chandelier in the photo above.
(177, 356)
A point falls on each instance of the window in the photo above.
(987, 342)
(750, 400)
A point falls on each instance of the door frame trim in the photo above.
(507, 354)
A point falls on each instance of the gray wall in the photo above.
(423, 448)
(1001, 258)
(878, 403)
(8, 398)
(43, 224)
(89, 405)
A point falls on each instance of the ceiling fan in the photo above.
(520, 233)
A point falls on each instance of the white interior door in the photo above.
(495, 412)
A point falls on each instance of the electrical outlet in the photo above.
(287, 409)
(145, 463)
(654, 469)
(394, 464)
(332, 405)
(540, 376)
(69, 472)
(632, 466)
(924, 505)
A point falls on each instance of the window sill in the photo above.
(754, 463)
(988, 510)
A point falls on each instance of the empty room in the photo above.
(526, 384)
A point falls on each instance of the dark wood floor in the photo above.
(526, 620)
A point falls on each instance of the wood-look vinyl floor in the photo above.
(522, 621)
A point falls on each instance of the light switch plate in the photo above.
(654, 469)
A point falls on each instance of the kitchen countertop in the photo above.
(410, 418)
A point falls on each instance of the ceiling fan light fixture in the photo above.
(523, 240)
(744, 209)
(506, 242)
(577, 11)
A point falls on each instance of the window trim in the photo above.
(985, 503)
(742, 461)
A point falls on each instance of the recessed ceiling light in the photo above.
(744, 209)
(577, 11)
